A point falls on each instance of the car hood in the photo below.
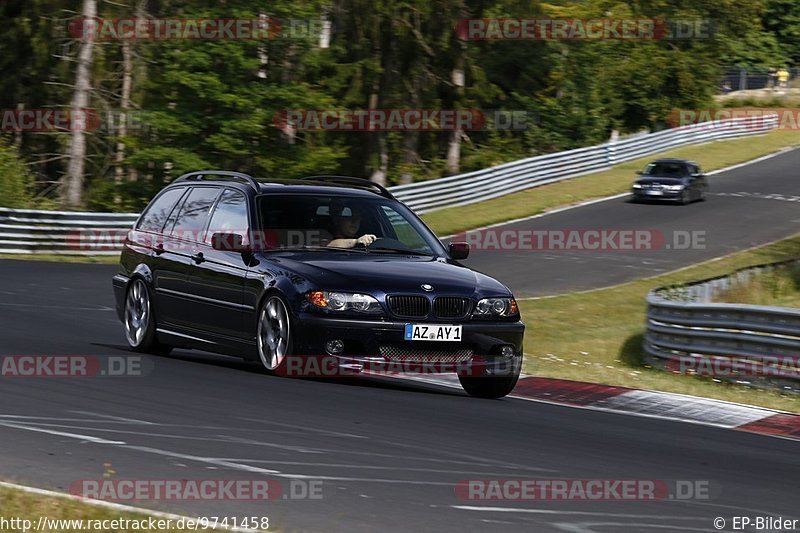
(388, 273)
(649, 180)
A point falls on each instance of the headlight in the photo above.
(491, 307)
(674, 187)
(344, 301)
(637, 185)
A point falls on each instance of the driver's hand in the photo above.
(366, 240)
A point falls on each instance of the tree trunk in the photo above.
(454, 146)
(140, 75)
(72, 185)
(125, 106)
(379, 172)
(410, 155)
(18, 133)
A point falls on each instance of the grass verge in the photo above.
(17, 504)
(779, 287)
(711, 156)
(597, 335)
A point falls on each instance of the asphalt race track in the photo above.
(747, 206)
(388, 453)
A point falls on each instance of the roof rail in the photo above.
(237, 176)
(351, 180)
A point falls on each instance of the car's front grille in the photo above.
(409, 306)
(403, 353)
(450, 307)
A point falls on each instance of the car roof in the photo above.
(310, 187)
(673, 160)
(323, 185)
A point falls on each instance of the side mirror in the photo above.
(698, 175)
(640, 172)
(228, 242)
(458, 250)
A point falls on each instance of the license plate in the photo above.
(655, 193)
(432, 332)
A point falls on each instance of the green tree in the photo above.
(16, 182)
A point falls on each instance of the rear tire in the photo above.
(140, 322)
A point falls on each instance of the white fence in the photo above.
(26, 231)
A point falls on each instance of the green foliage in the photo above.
(214, 103)
(16, 183)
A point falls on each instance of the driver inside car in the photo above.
(346, 222)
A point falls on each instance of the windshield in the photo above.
(668, 170)
(320, 222)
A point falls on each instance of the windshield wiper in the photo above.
(315, 249)
(404, 251)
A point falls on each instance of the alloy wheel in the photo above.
(137, 313)
(274, 335)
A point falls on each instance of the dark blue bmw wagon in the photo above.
(327, 275)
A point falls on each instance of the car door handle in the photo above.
(198, 258)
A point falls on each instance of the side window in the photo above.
(159, 209)
(230, 215)
(194, 213)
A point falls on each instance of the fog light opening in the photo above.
(334, 346)
(507, 350)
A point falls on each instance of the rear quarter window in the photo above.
(159, 209)
(193, 217)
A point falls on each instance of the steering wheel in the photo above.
(385, 242)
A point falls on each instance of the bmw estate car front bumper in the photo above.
(491, 346)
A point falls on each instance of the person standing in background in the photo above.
(783, 77)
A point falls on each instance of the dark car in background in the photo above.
(287, 272)
(676, 180)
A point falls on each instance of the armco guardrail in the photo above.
(758, 345)
(28, 231)
(504, 179)
(25, 231)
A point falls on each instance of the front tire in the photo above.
(274, 334)
(140, 323)
(489, 387)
